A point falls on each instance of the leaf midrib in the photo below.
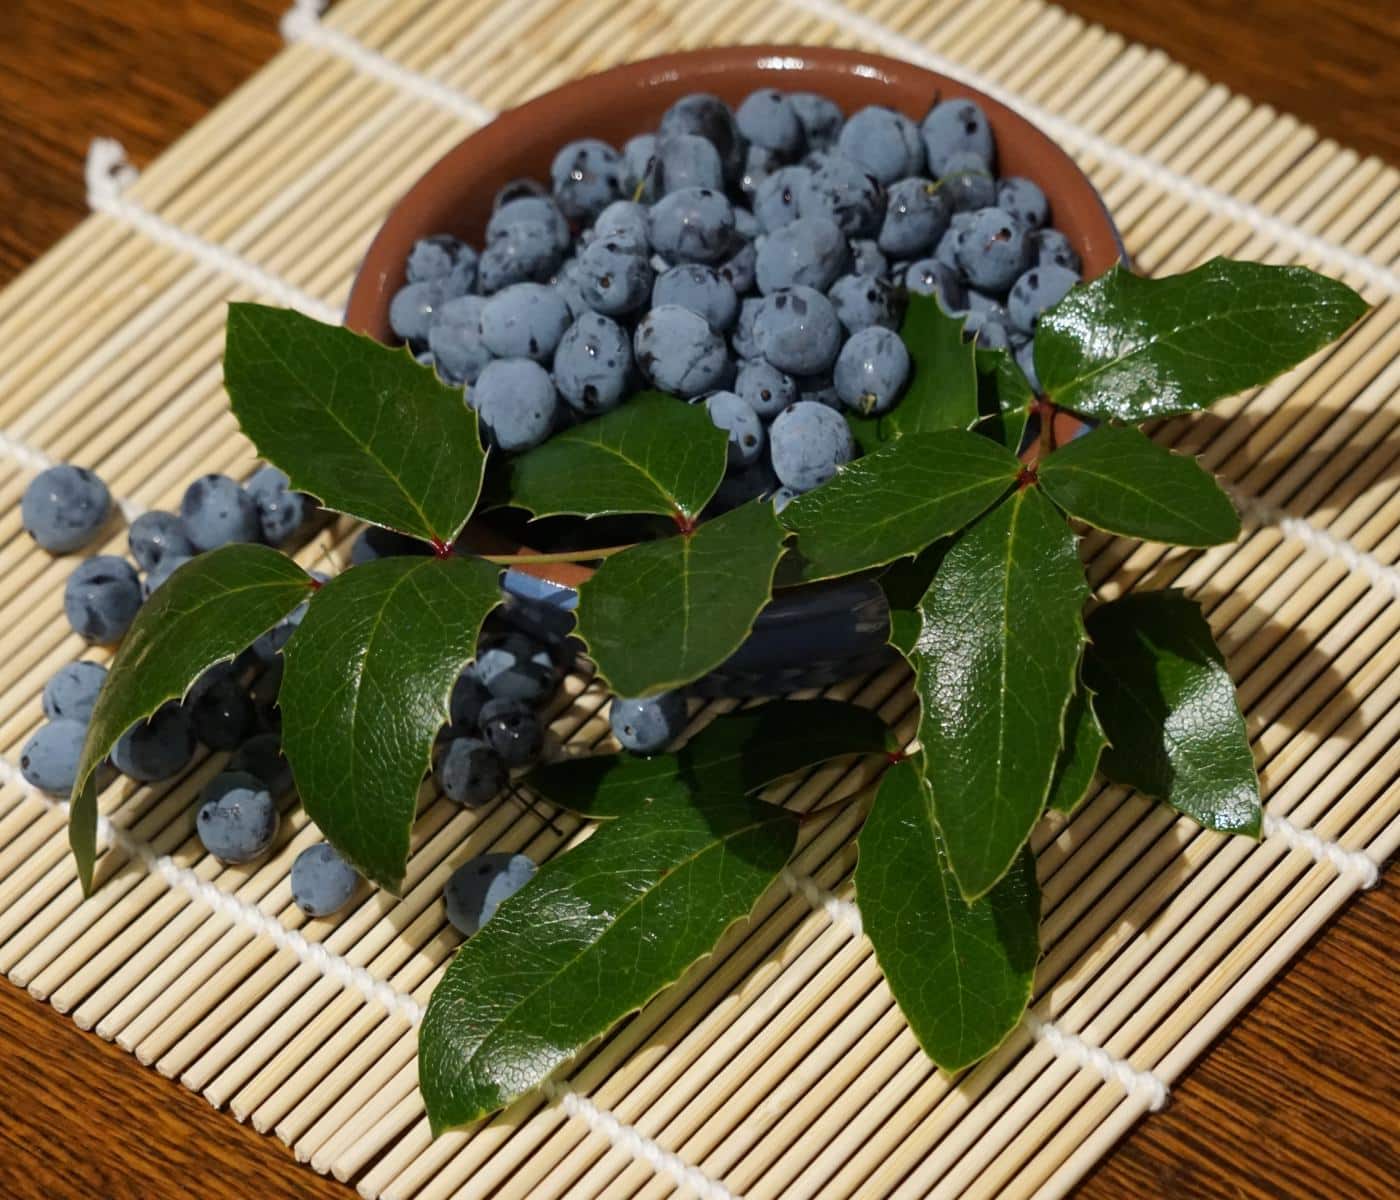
(1146, 498)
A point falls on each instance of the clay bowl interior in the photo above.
(455, 195)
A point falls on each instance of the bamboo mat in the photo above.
(779, 1066)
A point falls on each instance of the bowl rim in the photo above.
(381, 270)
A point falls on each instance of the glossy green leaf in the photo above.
(1129, 348)
(1119, 480)
(209, 610)
(961, 972)
(597, 932)
(360, 426)
(895, 502)
(661, 614)
(1004, 398)
(368, 675)
(1169, 710)
(995, 668)
(655, 454)
(1084, 743)
(732, 756)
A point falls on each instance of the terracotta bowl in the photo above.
(808, 636)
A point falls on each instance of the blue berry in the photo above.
(685, 161)
(269, 645)
(915, 218)
(700, 289)
(513, 730)
(846, 193)
(769, 120)
(72, 691)
(1038, 289)
(625, 225)
(613, 281)
(216, 510)
(818, 389)
(946, 251)
(740, 268)
(933, 277)
(49, 759)
(476, 889)
(261, 755)
(1024, 201)
(809, 442)
(648, 725)
(455, 339)
(443, 258)
(783, 497)
(156, 749)
(565, 282)
(1051, 246)
(468, 696)
(993, 253)
(531, 218)
(758, 165)
(956, 127)
(587, 177)
(526, 252)
(797, 331)
(63, 508)
(237, 819)
(871, 371)
(708, 117)
(525, 320)
(741, 423)
(281, 511)
(743, 340)
(764, 388)
(322, 882)
(692, 225)
(154, 535)
(412, 309)
(593, 364)
(861, 301)
(517, 668)
(742, 485)
(638, 163)
(821, 119)
(373, 543)
(470, 772)
(517, 403)
(988, 323)
(867, 258)
(679, 353)
(101, 598)
(967, 184)
(162, 571)
(221, 712)
(810, 251)
(886, 143)
(518, 189)
(778, 199)
(1025, 359)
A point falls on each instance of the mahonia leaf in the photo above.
(732, 756)
(961, 972)
(1119, 480)
(1169, 710)
(661, 614)
(1129, 348)
(209, 610)
(592, 937)
(904, 583)
(360, 426)
(655, 454)
(995, 668)
(1084, 743)
(368, 676)
(894, 502)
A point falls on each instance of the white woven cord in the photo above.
(109, 175)
(1350, 864)
(303, 23)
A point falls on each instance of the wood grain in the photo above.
(1298, 1100)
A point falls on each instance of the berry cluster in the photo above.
(755, 260)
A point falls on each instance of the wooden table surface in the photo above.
(1299, 1099)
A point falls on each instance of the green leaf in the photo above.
(732, 756)
(961, 972)
(894, 502)
(368, 675)
(1119, 480)
(1169, 709)
(596, 933)
(1084, 742)
(1131, 348)
(904, 583)
(1004, 398)
(360, 426)
(995, 667)
(210, 609)
(661, 614)
(655, 454)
